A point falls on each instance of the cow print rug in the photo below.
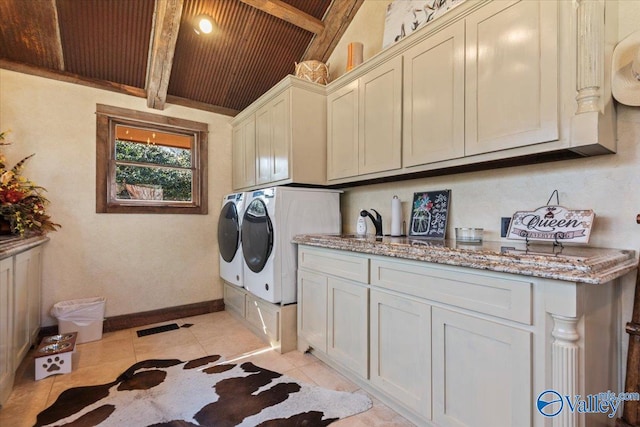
(201, 392)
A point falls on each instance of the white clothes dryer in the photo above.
(272, 217)
(229, 242)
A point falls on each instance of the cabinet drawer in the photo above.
(338, 263)
(492, 295)
(234, 298)
(263, 317)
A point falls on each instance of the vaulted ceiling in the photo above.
(148, 48)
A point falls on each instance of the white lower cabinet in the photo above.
(455, 346)
(312, 321)
(401, 350)
(348, 321)
(481, 372)
(333, 307)
(333, 319)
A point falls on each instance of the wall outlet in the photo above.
(504, 225)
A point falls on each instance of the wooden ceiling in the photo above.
(147, 48)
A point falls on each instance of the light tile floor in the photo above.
(102, 361)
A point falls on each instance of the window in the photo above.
(148, 163)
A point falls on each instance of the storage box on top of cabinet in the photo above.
(487, 81)
(281, 137)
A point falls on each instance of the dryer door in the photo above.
(257, 235)
(228, 231)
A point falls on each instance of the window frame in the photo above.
(107, 118)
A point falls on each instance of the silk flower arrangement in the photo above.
(22, 204)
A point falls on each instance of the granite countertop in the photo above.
(571, 263)
(11, 245)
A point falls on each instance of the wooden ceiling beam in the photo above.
(288, 13)
(164, 35)
(336, 20)
(30, 33)
(64, 76)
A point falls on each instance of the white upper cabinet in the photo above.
(244, 153)
(380, 92)
(365, 123)
(281, 137)
(273, 140)
(511, 75)
(433, 116)
(342, 132)
(486, 82)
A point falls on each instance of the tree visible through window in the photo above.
(149, 166)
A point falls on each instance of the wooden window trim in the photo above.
(106, 117)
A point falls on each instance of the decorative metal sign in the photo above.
(552, 223)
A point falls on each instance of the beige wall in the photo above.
(610, 185)
(367, 28)
(138, 262)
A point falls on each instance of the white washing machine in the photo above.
(272, 217)
(229, 243)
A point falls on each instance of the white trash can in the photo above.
(84, 316)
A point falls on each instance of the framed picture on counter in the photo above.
(429, 214)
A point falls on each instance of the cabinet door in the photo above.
(474, 357)
(273, 139)
(28, 267)
(348, 309)
(312, 309)
(281, 136)
(244, 154)
(6, 329)
(263, 145)
(21, 335)
(512, 75)
(342, 132)
(35, 293)
(380, 105)
(401, 350)
(433, 99)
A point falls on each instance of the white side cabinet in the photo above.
(7, 372)
(20, 310)
(26, 297)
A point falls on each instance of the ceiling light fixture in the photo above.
(203, 24)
